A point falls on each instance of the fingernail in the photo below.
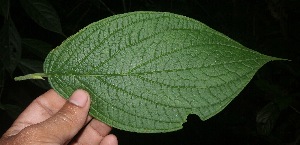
(79, 98)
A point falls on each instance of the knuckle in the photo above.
(67, 116)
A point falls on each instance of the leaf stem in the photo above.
(31, 76)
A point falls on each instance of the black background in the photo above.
(267, 26)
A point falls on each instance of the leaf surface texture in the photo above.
(147, 71)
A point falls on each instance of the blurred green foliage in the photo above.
(266, 112)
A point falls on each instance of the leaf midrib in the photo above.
(89, 74)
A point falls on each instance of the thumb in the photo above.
(66, 123)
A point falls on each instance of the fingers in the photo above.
(95, 129)
(109, 140)
(39, 110)
(66, 123)
(53, 120)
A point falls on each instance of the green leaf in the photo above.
(38, 47)
(10, 42)
(42, 12)
(4, 8)
(147, 71)
(28, 66)
(266, 118)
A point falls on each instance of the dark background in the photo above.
(266, 112)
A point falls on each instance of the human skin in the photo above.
(50, 119)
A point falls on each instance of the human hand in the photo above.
(50, 119)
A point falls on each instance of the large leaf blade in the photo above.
(146, 71)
